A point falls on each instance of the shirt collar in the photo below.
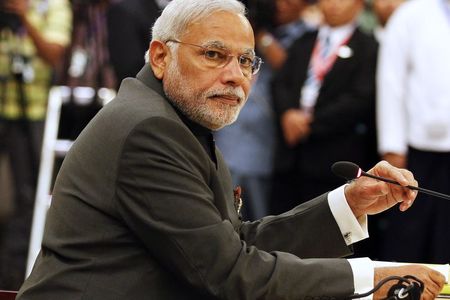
(197, 129)
(336, 34)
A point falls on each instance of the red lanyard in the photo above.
(321, 65)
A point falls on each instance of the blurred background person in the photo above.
(34, 35)
(324, 97)
(382, 10)
(312, 14)
(248, 144)
(129, 23)
(413, 118)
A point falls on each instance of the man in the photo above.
(143, 207)
(248, 144)
(128, 22)
(413, 109)
(33, 38)
(324, 99)
(383, 10)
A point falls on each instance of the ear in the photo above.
(159, 58)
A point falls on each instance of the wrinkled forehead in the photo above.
(220, 45)
(222, 29)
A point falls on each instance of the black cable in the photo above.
(400, 279)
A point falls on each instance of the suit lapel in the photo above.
(342, 64)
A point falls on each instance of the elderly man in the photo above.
(143, 207)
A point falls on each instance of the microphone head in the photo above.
(346, 169)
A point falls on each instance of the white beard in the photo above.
(197, 105)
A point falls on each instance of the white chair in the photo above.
(53, 148)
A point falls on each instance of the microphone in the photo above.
(350, 171)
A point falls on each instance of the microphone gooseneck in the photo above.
(350, 171)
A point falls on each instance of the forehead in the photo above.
(387, 1)
(231, 30)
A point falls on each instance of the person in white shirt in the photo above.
(383, 10)
(413, 120)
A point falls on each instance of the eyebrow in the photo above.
(221, 45)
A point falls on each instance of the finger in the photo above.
(435, 283)
(433, 287)
(372, 190)
(438, 278)
(409, 197)
(405, 199)
(384, 169)
(404, 206)
(430, 293)
(409, 176)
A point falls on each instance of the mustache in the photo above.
(227, 92)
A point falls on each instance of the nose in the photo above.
(233, 73)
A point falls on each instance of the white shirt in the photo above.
(353, 230)
(378, 32)
(413, 80)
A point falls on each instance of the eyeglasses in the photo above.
(217, 57)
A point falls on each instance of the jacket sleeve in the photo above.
(298, 231)
(164, 197)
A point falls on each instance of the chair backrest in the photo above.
(7, 295)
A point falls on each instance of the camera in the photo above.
(8, 20)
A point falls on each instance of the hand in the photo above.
(295, 125)
(370, 196)
(395, 159)
(433, 280)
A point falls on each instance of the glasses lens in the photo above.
(257, 61)
(215, 57)
(219, 58)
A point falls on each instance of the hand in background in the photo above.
(295, 125)
(433, 280)
(370, 196)
(395, 159)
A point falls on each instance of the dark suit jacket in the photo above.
(140, 211)
(344, 125)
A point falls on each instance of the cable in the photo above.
(398, 291)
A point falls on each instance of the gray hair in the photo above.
(178, 14)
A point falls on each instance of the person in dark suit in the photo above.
(143, 206)
(324, 98)
(128, 24)
(251, 163)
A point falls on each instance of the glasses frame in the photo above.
(255, 65)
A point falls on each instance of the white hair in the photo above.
(178, 14)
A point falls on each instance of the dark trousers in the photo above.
(19, 143)
(421, 234)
